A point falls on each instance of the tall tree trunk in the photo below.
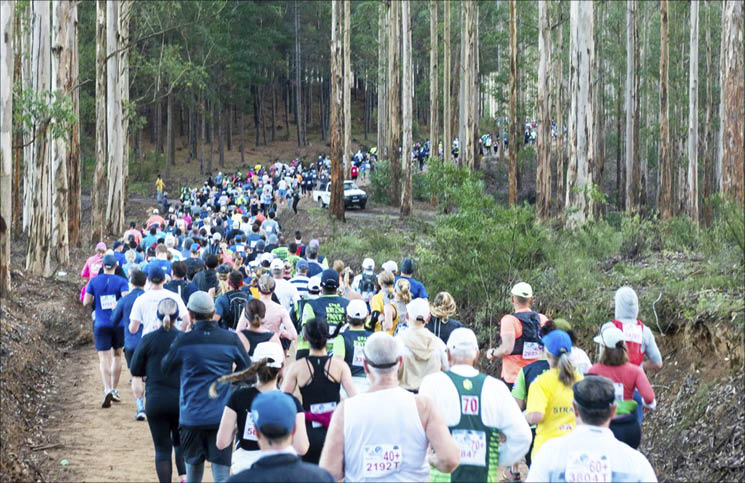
(664, 202)
(74, 165)
(632, 107)
(382, 105)
(734, 102)
(708, 168)
(203, 134)
(27, 75)
(211, 134)
(6, 155)
(298, 85)
(559, 197)
(18, 154)
(170, 135)
(125, 9)
(336, 204)
(446, 92)
(159, 123)
(287, 109)
(115, 174)
(407, 95)
(394, 100)
(347, 157)
(241, 130)
(221, 134)
(514, 132)
(692, 178)
(434, 121)
(543, 174)
(229, 128)
(466, 107)
(475, 88)
(598, 157)
(99, 186)
(274, 111)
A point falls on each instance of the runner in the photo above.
(550, 397)
(627, 379)
(178, 283)
(104, 291)
(120, 318)
(256, 333)
(389, 303)
(202, 355)
(145, 308)
(268, 364)
(285, 291)
(365, 282)
(318, 377)
(194, 264)
(229, 306)
(94, 263)
(354, 343)
(275, 419)
(329, 307)
(364, 448)
(519, 333)
(162, 407)
(300, 280)
(442, 324)
(423, 352)
(276, 317)
(159, 187)
(415, 286)
(477, 408)
(206, 280)
(590, 452)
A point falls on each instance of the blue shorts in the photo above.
(108, 337)
(282, 193)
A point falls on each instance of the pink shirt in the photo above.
(92, 266)
(631, 376)
(277, 319)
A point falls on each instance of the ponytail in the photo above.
(168, 312)
(260, 369)
(566, 370)
(403, 291)
(255, 311)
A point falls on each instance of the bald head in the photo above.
(382, 353)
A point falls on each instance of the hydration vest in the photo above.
(530, 340)
(633, 333)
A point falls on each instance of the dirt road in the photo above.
(100, 444)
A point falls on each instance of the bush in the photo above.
(380, 181)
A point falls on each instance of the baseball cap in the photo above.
(100, 247)
(407, 266)
(266, 259)
(217, 236)
(357, 309)
(195, 247)
(314, 243)
(463, 338)
(274, 408)
(314, 284)
(109, 260)
(201, 303)
(156, 274)
(223, 268)
(557, 342)
(368, 264)
(329, 278)
(609, 336)
(277, 265)
(269, 350)
(523, 290)
(260, 245)
(418, 309)
(155, 211)
(301, 265)
(391, 266)
(273, 240)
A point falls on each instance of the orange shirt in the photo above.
(511, 364)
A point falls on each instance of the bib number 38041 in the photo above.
(588, 467)
(381, 459)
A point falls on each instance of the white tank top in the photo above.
(383, 438)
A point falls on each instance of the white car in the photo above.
(353, 196)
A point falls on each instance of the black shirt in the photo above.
(240, 402)
(282, 467)
(443, 330)
(146, 361)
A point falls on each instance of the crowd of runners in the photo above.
(251, 349)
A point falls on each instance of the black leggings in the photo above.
(162, 416)
(627, 430)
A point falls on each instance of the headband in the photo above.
(384, 365)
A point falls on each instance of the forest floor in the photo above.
(53, 428)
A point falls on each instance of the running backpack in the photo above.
(529, 344)
(633, 334)
(367, 283)
(238, 301)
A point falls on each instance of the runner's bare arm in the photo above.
(287, 328)
(505, 348)
(134, 326)
(447, 454)
(289, 383)
(332, 455)
(242, 323)
(389, 312)
(87, 300)
(300, 439)
(347, 381)
(534, 418)
(244, 341)
(227, 428)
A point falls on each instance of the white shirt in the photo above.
(498, 410)
(587, 453)
(286, 293)
(145, 309)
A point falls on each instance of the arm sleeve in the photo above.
(139, 358)
(518, 388)
(220, 305)
(423, 293)
(171, 361)
(650, 346)
(509, 421)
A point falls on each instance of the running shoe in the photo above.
(115, 396)
(140, 413)
(107, 398)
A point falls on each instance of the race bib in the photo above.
(381, 460)
(618, 390)
(108, 302)
(359, 356)
(588, 467)
(249, 431)
(321, 408)
(532, 350)
(240, 248)
(632, 333)
(469, 405)
(472, 445)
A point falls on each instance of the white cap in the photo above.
(418, 309)
(269, 350)
(155, 211)
(391, 266)
(217, 236)
(314, 284)
(523, 290)
(266, 257)
(368, 264)
(610, 335)
(463, 338)
(357, 309)
(277, 265)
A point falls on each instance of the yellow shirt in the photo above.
(159, 185)
(550, 397)
(377, 304)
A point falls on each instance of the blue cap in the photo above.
(407, 266)
(275, 408)
(557, 342)
(156, 274)
(109, 260)
(195, 247)
(302, 264)
(330, 278)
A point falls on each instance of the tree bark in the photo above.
(632, 107)
(467, 115)
(125, 9)
(598, 86)
(99, 186)
(579, 199)
(347, 93)
(734, 104)
(27, 74)
(708, 168)
(18, 157)
(298, 86)
(203, 133)
(115, 174)
(394, 102)
(559, 197)
(664, 202)
(514, 133)
(6, 154)
(543, 174)
(229, 127)
(692, 178)
(212, 135)
(170, 136)
(287, 109)
(446, 92)
(434, 121)
(221, 134)
(274, 113)
(336, 204)
(241, 129)
(407, 95)
(73, 155)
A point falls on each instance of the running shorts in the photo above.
(128, 353)
(201, 444)
(107, 338)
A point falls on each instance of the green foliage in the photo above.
(380, 182)
(44, 108)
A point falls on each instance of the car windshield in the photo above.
(349, 185)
